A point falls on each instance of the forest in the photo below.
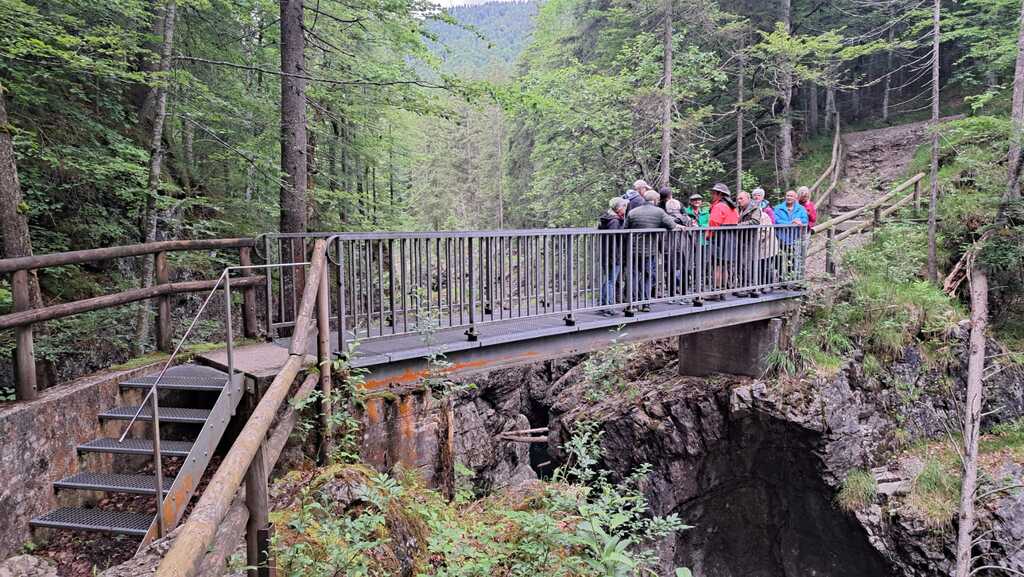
(133, 121)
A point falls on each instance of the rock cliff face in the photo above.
(756, 466)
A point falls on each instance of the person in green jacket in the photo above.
(697, 211)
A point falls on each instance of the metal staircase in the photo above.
(202, 423)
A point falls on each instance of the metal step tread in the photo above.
(178, 383)
(136, 447)
(122, 522)
(167, 414)
(113, 483)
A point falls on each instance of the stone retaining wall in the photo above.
(37, 446)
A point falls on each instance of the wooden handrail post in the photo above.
(256, 500)
(324, 358)
(876, 220)
(24, 351)
(917, 196)
(830, 258)
(250, 326)
(163, 307)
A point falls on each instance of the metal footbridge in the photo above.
(385, 302)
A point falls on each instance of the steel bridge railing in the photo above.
(392, 284)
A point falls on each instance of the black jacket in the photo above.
(609, 221)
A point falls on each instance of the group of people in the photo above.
(702, 260)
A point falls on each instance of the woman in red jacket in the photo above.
(723, 213)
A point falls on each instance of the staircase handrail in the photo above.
(199, 531)
(26, 312)
(832, 222)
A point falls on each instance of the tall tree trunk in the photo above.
(830, 105)
(666, 101)
(812, 108)
(1017, 115)
(786, 160)
(972, 419)
(740, 97)
(156, 160)
(887, 87)
(188, 155)
(17, 243)
(933, 267)
(293, 118)
(501, 168)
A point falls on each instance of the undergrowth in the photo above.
(935, 494)
(581, 524)
(858, 490)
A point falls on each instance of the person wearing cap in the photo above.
(635, 195)
(611, 249)
(723, 213)
(758, 195)
(697, 211)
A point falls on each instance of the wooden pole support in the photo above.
(323, 349)
(250, 327)
(917, 197)
(164, 334)
(876, 220)
(24, 350)
(830, 258)
(256, 500)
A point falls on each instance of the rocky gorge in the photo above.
(755, 465)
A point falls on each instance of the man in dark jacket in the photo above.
(646, 245)
(611, 250)
(635, 196)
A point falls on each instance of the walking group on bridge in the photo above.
(741, 246)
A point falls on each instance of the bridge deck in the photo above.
(388, 356)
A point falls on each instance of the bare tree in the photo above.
(787, 106)
(666, 103)
(739, 118)
(1017, 115)
(972, 418)
(294, 140)
(933, 267)
(156, 159)
(887, 88)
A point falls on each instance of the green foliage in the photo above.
(347, 395)
(582, 526)
(859, 490)
(935, 494)
(885, 305)
(605, 370)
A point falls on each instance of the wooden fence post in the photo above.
(917, 196)
(324, 358)
(830, 262)
(257, 501)
(24, 351)
(164, 334)
(876, 221)
(250, 327)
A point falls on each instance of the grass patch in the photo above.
(1004, 437)
(935, 495)
(858, 491)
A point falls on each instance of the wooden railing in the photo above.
(832, 173)
(245, 461)
(25, 315)
(878, 215)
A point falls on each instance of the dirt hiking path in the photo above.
(876, 161)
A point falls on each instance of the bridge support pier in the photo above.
(737, 350)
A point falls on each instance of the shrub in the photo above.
(858, 491)
(935, 495)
